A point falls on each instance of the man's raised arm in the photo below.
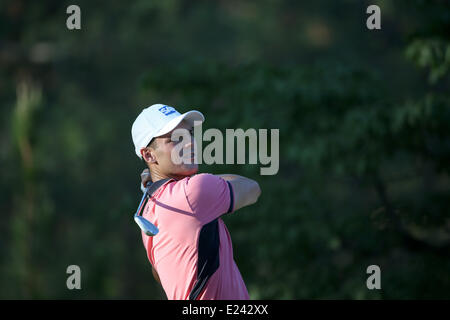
(246, 191)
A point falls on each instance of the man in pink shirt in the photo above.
(192, 255)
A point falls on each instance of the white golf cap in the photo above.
(158, 120)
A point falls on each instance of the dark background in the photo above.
(364, 141)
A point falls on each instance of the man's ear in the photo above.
(148, 155)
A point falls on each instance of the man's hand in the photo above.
(145, 177)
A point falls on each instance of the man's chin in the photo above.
(189, 170)
(194, 169)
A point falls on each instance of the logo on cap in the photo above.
(166, 110)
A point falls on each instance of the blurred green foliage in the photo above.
(364, 141)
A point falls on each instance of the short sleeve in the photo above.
(209, 196)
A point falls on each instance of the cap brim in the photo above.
(191, 117)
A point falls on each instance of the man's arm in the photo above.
(246, 191)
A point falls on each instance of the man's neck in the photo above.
(157, 176)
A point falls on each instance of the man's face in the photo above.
(163, 154)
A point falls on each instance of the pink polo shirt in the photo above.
(192, 252)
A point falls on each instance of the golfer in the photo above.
(192, 255)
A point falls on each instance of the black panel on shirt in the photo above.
(231, 197)
(208, 256)
(208, 252)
